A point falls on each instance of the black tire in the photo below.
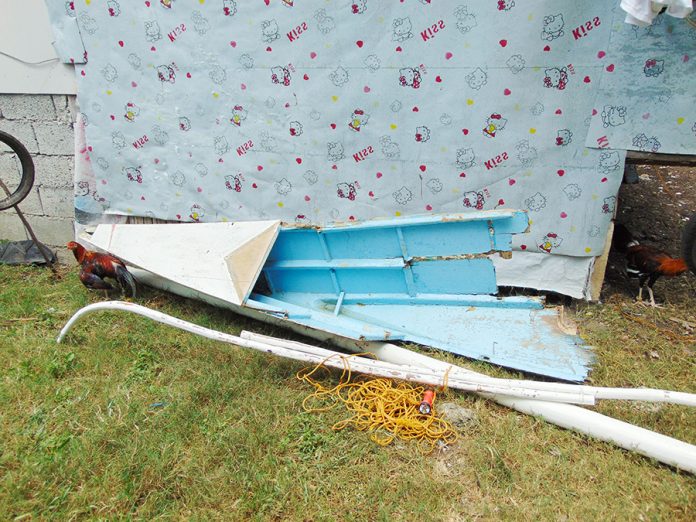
(27, 180)
(689, 243)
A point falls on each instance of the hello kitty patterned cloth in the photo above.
(215, 110)
(647, 95)
(68, 42)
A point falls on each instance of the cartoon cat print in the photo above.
(553, 27)
(152, 31)
(613, 115)
(269, 31)
(466, 21)
(477, 78)
(401, 29)
(466, 158)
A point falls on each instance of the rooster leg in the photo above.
(640, 294)
(652, 299)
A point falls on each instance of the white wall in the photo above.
(25, 33)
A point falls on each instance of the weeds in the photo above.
(145, 366)
(60, 365)
(131, 420)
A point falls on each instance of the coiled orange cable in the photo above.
(384, 407)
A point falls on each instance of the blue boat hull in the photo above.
(424, 280)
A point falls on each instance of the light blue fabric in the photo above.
(647, 98)
(223, 110)
(68, 43)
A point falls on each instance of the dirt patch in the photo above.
(655, 209)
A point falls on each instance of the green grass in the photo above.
(129, 419)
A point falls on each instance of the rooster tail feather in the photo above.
(673, 267)
(126, 280)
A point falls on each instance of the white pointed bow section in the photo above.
(219, 259)
(547, 400)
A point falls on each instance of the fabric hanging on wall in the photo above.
(68, 42)
(222, 110)
(647, 97)
(89, 203)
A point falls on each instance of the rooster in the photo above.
(644, 262)
(97, 266)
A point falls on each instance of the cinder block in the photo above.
(58, 202)
(55, 138)
(60, 102)
(23, 131)
(31, 204)
(10, 170)
(65, 108)
(72, 107)
(54, 171)
(53, 231)
(37, 107)
(11, 227)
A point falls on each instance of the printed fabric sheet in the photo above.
(68, 42)
(333, 111)
(647, 98)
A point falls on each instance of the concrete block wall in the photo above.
(44, 124)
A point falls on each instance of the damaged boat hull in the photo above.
(425, 280)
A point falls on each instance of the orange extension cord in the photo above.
(379, 405)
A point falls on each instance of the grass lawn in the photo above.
(129, 419)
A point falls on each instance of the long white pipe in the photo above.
(628, 394)
(316, 355)
(654, 445)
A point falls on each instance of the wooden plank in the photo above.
(650, 158)
(600, 266)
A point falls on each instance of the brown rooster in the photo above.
(97, 266)
(644, 262)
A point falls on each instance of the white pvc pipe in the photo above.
(316, 355)
(642, 394)
(654, 445)
(627, 394)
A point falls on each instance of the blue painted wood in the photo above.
(424, 279)
(521, 335)
(505, 228)
(448, 239)
(424, 236)
(304, 264)
(455, 276)
(520, 302)
(322, 318)
(376, 256)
